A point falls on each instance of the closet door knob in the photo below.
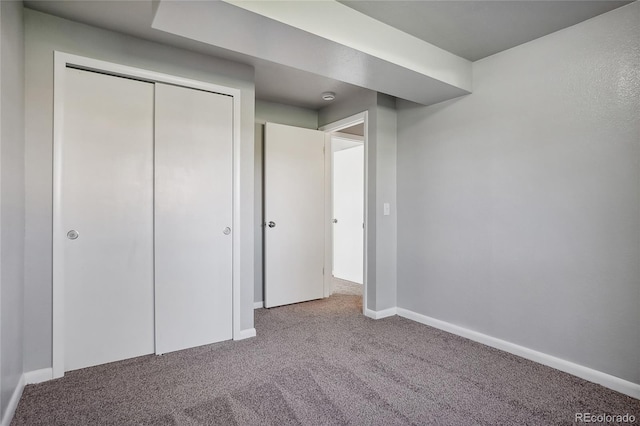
(272, 224)
(73, 234)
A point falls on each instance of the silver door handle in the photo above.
(226, 231)
(73, 234)
(335, 220)
(271, 224)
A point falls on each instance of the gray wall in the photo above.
(11, 199)
(519, 205)
(381, 187)
(386, 235)
(44, 34)
(273, 113)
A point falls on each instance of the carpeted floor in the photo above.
(322, 363)
(346, 287)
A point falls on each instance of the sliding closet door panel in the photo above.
(193, 217)
(106, 200)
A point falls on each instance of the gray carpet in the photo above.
(322, 363)
(345, 287)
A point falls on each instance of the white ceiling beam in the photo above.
(354, 49)
(336, 22)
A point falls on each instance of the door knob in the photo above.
(73, 234)
(272, 224)
(335, 220)
(226, 231)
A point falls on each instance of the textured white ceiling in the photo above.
(274, 82)
(477, 29)
(471, 29)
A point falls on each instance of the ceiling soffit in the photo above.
(434, 76)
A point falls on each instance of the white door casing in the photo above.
(329, 129)
(107, 198)
(193, 217)
(348, 213)
(295, 206)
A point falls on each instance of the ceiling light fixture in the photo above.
(328, 96)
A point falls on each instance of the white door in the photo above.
(294, 213)
(348, 213)
(193, 217)
(106, 206)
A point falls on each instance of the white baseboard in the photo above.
(604, 379)
(13, 403)
(380, 314)
(258, 305)
(38, 376)
(246, 334)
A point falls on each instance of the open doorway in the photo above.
(347, 190)
(298, 215)
(345, 254)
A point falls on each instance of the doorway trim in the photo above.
(330, 128)
(63, 60)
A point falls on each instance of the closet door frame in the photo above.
(61, 62)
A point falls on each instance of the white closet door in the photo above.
(294, 212)
(106, 207)
(193, 217)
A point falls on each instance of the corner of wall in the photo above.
(10, 409)
(386, 206)
(12, 203)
